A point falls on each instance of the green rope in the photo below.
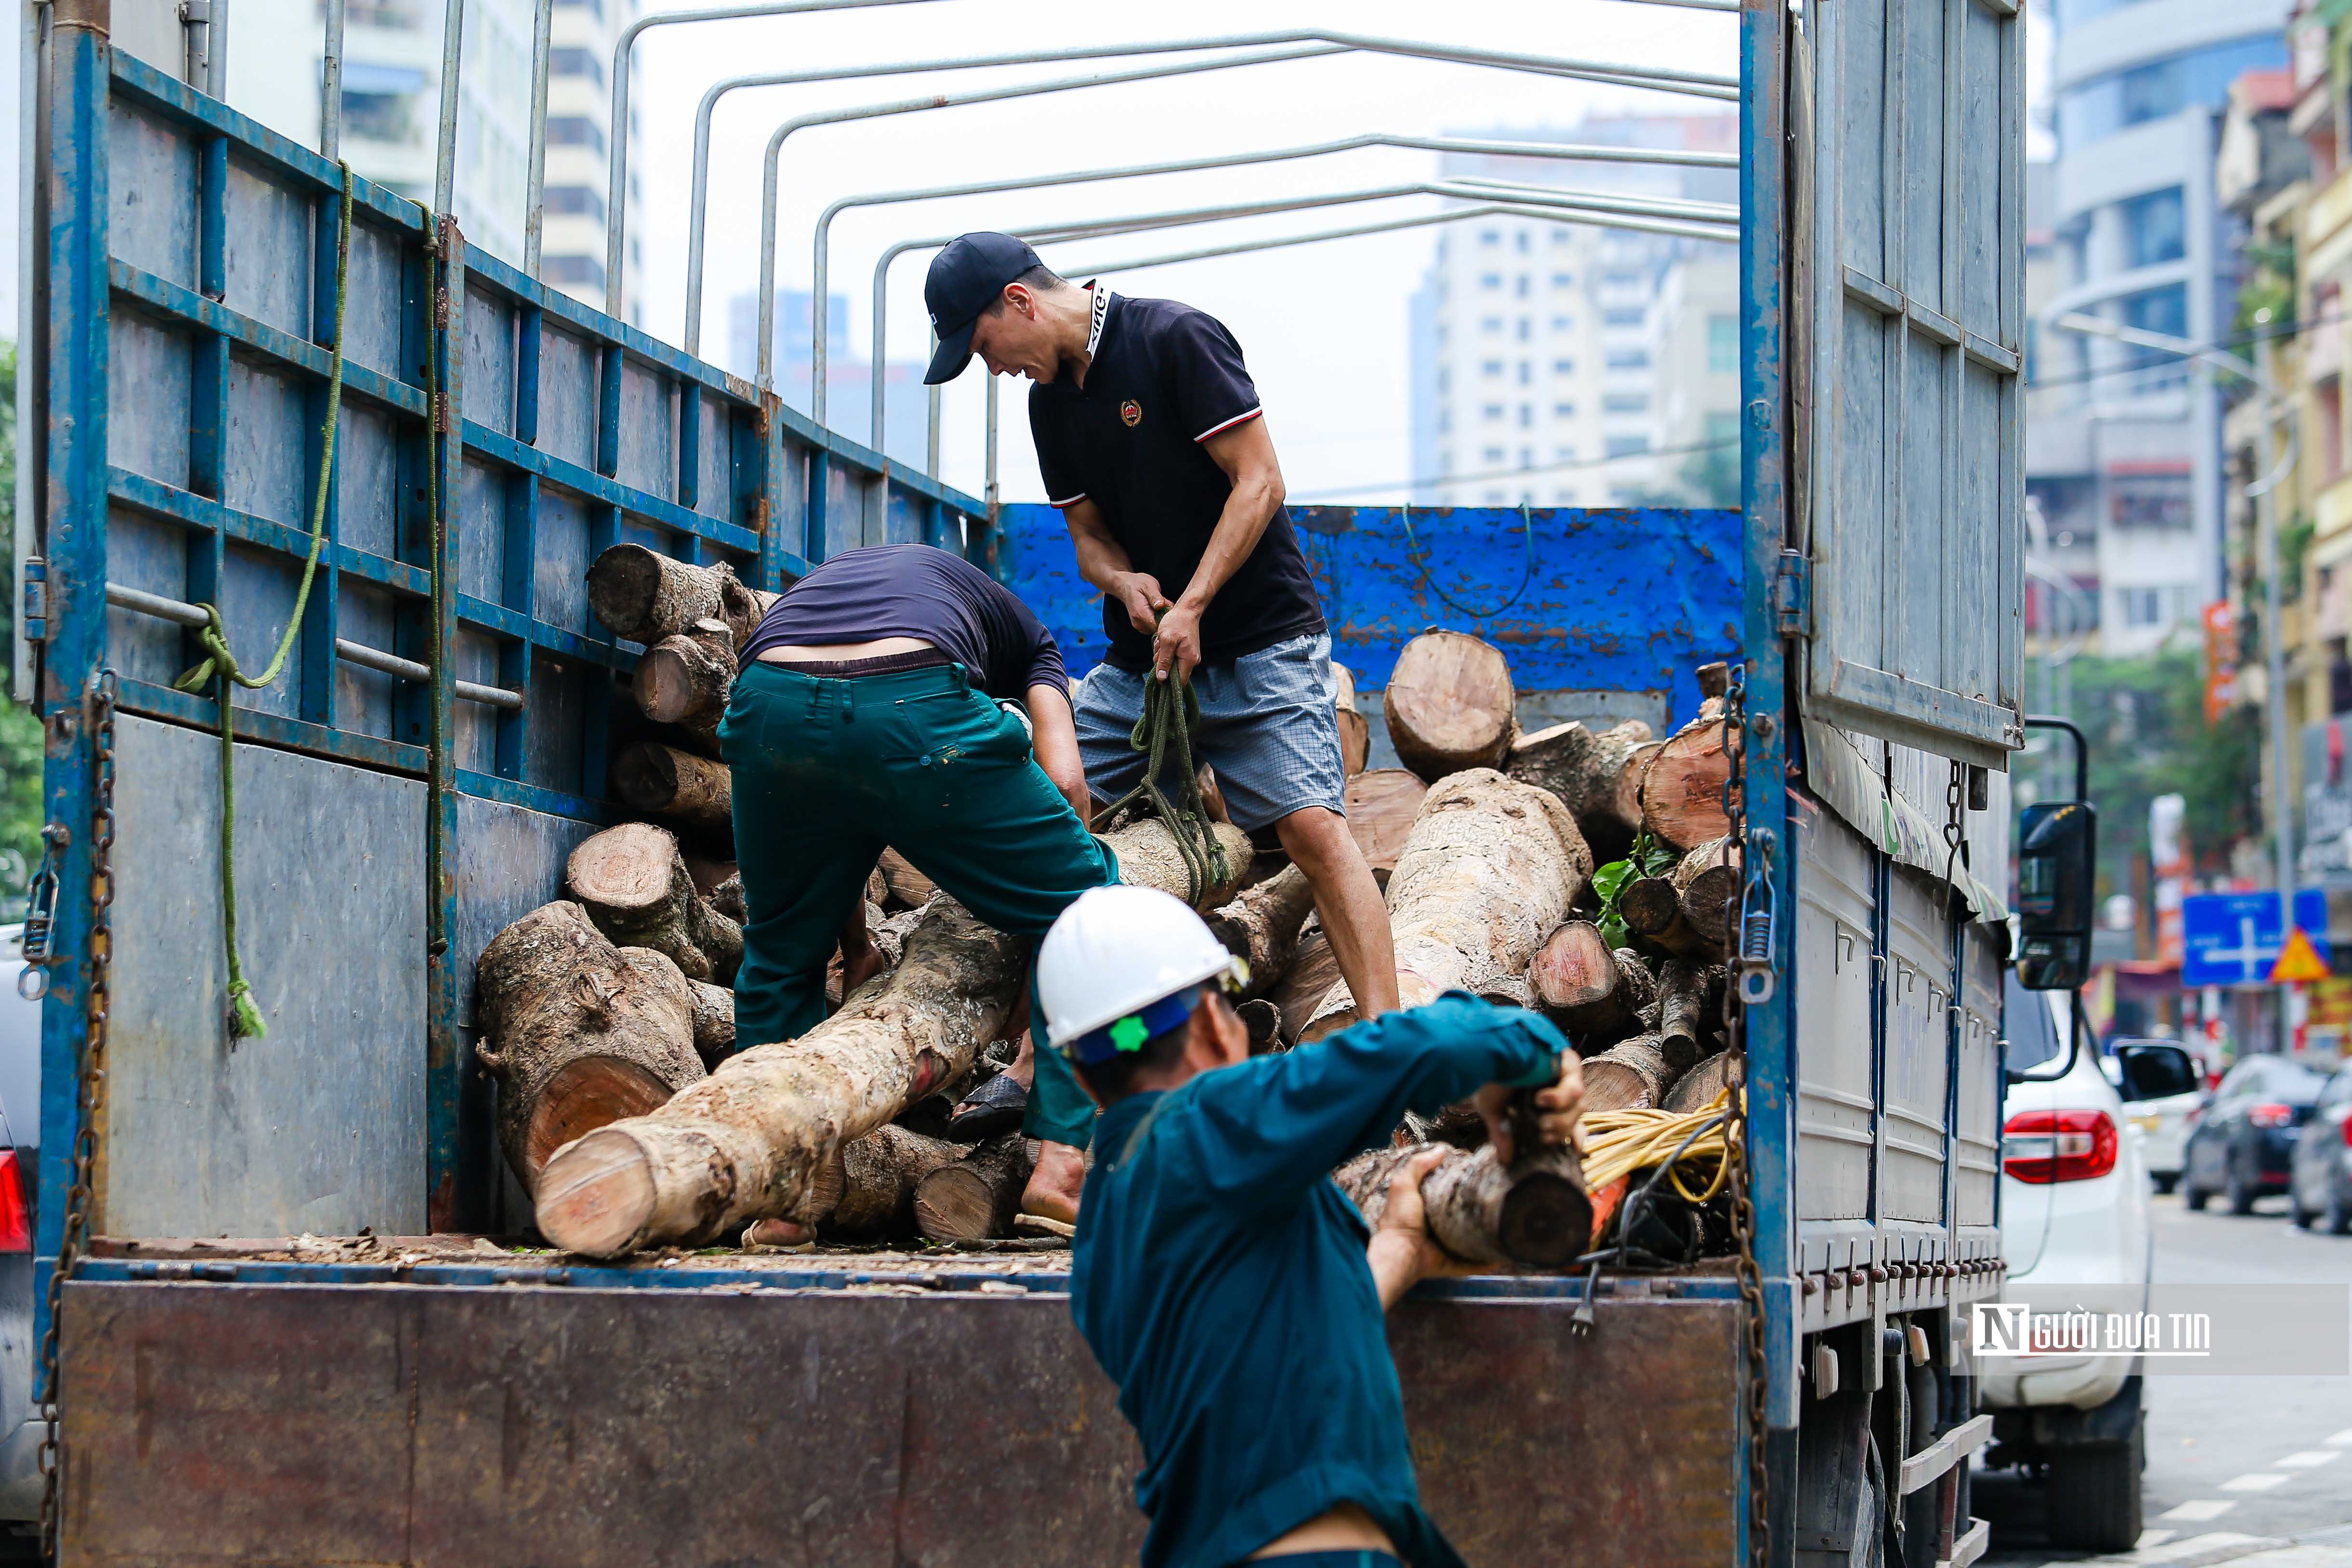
(220, 665)
(1171, 713)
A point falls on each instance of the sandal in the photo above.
(995, 1106)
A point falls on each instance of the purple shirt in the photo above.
(917, 591)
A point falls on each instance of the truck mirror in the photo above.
(2056, 859)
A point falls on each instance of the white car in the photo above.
(2163, 1094)
(2073, 1211)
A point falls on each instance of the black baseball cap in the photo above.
(966, 279)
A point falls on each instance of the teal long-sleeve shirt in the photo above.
(1220, 1278)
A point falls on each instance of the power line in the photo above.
(1732, 441)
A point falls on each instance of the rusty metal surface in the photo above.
(892, 1428)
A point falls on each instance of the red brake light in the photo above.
(2271, 1116)
(15, 1220)
(2344, 1125)
(2045, 1146)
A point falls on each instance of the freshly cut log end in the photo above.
(1574, 968)
(603, 1195)
(684, 678)
(976, 1198)
(1546, 1218)
(1708, 883)
(1682, 788)
(1355, 729)
(645, 596)
(880, 1175)
(1587, 772)
(678, 786)
(1314, 970)
(1631, 1075)
(1448, 704)
(1696, 1089)
(1714, 680)
(1381, 806)
(634, 885)
(583, 1095)
(1650, 908)
(1689, 995)
(1261, 926)
(1263, 1019)
(1534, 1213)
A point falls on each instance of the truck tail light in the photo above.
(2271, 1116)
(16, 1218)
(2045, 1146)
(2344, 1125)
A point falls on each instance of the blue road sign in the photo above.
(2233, 939)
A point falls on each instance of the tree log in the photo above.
(1534, 1213)
(976, 1197)
(907, 885)
(1381, 806)
(1314, 970)
(1682, 788)
(1596, 995)
(714, 1022)
(1448, 704)
(1631, 1075)
(1261, 926)
(1690, 999)
(1652, 910)
(578, 1033)
(1488, 872)
(1263, 1019)
(634, 885)
(1714, 680)
(1355, 729)
(684, 678)
(694, 792)
(1587, 772)
(743, 1145)
(879, 1174)
(1696, 1089)
(726, 898)
(645, 596)
(1707, 885)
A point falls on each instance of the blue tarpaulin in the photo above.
(1616, 600)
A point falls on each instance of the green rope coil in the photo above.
(1172, 713)
(220, 665)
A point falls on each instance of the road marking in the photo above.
(2196, 1511)
(2257, 1482)
(2342, 1439)
(2309, 1460)
(2151, 1537)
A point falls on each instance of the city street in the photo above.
(2247, 1471)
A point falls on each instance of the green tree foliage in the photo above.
(20, 732)
(2144, 717)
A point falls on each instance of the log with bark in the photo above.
(1598, 997)
(1488, 872)
(1588, 771)
(579, 1033)
(1696, 1089)
(684, 678)
(743, 1145)
(1261, 926)
(1448, 704)
(1631, 1075)
(1652, 910)
(878, 1174)
(1355, 729)
(906, 885)
(1263, 1019)
(647, 597)
(1706, 884)
(1534, 1213)
(1682, 787)
(976, 1197)
(1690, 1004)
(634, 885)
(727, 898)
(1381, 806)
(714, 1022)
(1314, 970)
(695, 793)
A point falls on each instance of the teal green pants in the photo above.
(828, 771)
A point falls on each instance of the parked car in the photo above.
(2320, 1188)
(2164, 1093)
(2073, 1211)
(2243, 1146)
(20, 1152)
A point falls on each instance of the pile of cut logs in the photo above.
(627, 1111)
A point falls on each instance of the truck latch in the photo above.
(1792, 594)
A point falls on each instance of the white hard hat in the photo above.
(1112, 956)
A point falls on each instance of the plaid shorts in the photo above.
(1267, 726)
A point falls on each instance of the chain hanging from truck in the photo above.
(1737, 1125)
(220, 665)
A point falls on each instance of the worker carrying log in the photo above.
(1153, 445)
(1220, 1278)
(899, 695)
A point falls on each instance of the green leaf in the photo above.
(1611, 878)
(1613, 932)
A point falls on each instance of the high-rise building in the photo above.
(2124, 442)
(1565, 364)
(849, 383)
(390, 107)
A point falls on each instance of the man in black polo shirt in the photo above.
(1153, 446)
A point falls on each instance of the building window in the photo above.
(1527, 416)
(574, 131)
(1492, 455)
(1563, 324)
(1560, 235)
(2160, 89)
(1490, 281)
(1490, 367)
(1627, 358)
(1522, 285)
(572, 271)
(1626, 445)
(584, 201)
(1526, 330)
(393, 15)
(2153, 606)
(2164, 310)
(380, 101)
(1563, 279)
(1723, 345)
(1526, 374)
(1563, 454)
(1522, 238)
(2159, 502)
(1623, 317)
(1490, 237)
(1624, 279)
(1563, 497)
(2155, 230)
(1563, 410)
(1526, 458)
(1626, 403)
(594, 7)
(1491, 411)
(1499, 498)
(576, 62)
(1563, 367)
(1445, 421)
(1444, 378)
(1490, 323)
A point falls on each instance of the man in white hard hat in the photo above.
(1221, 1279)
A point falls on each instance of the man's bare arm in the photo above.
(1245, 453)
(1103, 562)
(1054, 740)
